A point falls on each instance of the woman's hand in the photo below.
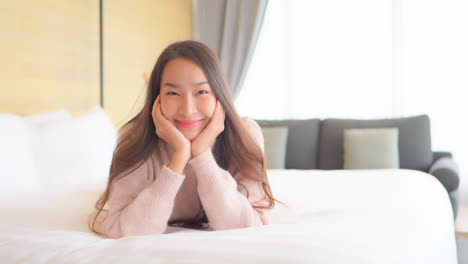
(208, 136)
(168, 132)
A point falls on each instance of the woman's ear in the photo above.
(146, 76)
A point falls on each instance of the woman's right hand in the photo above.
(168, 132)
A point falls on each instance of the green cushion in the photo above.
(371, 148)
(275, 139)
(303, 141)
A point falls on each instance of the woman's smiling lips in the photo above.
(188, 123)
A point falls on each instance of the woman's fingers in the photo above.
(218, 109)
(159, 115)
(219, 117)
(155, 106)
(158, 118)
(223, 111)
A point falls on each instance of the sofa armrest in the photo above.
(446, 171)
(440, 154)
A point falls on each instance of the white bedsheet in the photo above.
(342, 216)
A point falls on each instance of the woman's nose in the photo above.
(188, 107)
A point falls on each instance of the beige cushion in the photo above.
(375, 148)
(275, 139)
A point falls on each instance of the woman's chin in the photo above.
(190, 135)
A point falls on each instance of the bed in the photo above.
(332, 216)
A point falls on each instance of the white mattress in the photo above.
(342, 216)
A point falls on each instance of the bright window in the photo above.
(365, 59)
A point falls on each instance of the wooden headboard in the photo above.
(50, 53)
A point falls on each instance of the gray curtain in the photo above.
(230, 28)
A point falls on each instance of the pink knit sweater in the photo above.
(140, 206)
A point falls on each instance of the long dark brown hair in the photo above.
(138, 139)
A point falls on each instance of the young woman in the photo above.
(187, 159)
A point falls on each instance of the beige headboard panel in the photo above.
(50, 53)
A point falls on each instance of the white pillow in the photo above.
(75, 153)
(371, 148)
(44, 118)
(17, 167)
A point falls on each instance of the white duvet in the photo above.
(341, 216)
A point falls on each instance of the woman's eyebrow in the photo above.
(171, 85)
(177, 86)
(200, 83)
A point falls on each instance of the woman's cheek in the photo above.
(211, 106)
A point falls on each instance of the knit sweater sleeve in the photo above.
(225, 202)
(137, 207)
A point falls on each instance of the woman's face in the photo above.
(187, 100)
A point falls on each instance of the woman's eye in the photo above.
(202, 92)
(171, 93)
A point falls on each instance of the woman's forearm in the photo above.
(179, 161)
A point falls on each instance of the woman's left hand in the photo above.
(208, 136)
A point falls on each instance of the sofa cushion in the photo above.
(303, 141)
(371, 148)
(276, 139)
(414, 141)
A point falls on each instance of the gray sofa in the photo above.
(318, 144)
